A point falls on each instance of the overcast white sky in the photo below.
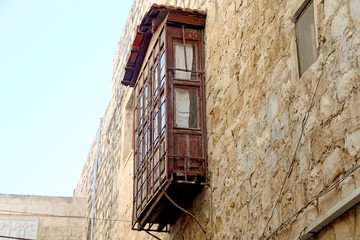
(55, 83)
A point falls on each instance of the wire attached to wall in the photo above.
(148, 232)
(331, 187)
(18, 238)
(184, 210)
(289, 171)
(59, 216)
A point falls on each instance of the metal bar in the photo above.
(184, 156)
(185, 70)
(94, 182)
(183, 36)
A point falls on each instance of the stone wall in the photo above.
(270, 133)
(345, 227)
(43, 217)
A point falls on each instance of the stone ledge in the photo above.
(334, 212)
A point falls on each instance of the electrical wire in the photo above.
(61, 216)
(184, 210)
(289, 171)
(19, 238)
(331, 187)
(148, 232)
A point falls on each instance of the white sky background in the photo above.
(55, 84)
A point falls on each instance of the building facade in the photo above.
(42, 218)
(282, 118)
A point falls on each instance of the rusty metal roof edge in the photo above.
(187, 10)
(144, 30)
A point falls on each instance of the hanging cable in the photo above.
(289, 171)
(19, 238)
(331, 187)
(148, 232)
(184, 210)
(59, 216)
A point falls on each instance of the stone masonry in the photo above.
(274, 138)
(47, 218)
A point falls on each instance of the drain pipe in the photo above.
(94, 182)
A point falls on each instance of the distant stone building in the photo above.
(275, 85)
(42, 218)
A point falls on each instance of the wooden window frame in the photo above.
(173, 158)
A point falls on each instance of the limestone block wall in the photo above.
(257, 107)
(275, 140)
(56, 217)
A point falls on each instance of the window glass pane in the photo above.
(144, 186)
(156, 157)
(306, 39)
(162, 148)
(146, 100)
(162, 110)
(144, 191)
(156, 81)
(156, 165)
(141, 108)
(143, 176)
(141, 150)
(148, 139)
(186, 63)
(162, 69)
(186, 108)
(138, 184)
(156, 131)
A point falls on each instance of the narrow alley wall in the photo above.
(270, 132)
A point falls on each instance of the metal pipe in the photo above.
(94, 182)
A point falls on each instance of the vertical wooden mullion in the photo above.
(203, 103)
(183, 39)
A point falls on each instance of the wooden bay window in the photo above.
(165, 68)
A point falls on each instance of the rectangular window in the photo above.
(185, 59)
(306, 38)
(186, 108)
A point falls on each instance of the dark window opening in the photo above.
(306, 38)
